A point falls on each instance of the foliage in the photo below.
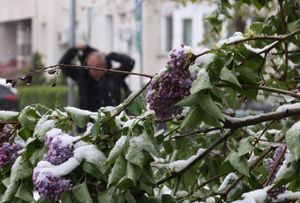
(50, 97)
(205, 154)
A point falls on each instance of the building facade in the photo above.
(43, 26)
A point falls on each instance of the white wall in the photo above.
(8, 49)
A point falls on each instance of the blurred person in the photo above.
(97, 88)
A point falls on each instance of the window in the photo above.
(110, 32)
(169, 33)
(187, 32)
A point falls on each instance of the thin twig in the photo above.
(271, 89)
(126, 105)
(200, 130)
(107, 70)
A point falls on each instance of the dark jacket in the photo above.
(106, 91)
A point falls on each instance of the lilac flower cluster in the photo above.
(4, 135)
(269, 164)
(49, 186)
(60, 149)
(58, 153)
(171, 85)
(8, 152)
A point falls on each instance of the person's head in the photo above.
(96, 59)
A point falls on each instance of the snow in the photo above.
(288, 107)
(89, 153)
(89, 127)
(273, 131)
(130, 123)
(287, 196)
(181, 193)
(44, 167)
(204, 59)
(118, 146)
(237, 36)
(66, 140)
(288, 158)
(19, 141)
(36, 196)
(255, 196)
(181, 164)
(74, 110)
(54, 132)
(43, 125)
(82, 151)
(259, 50)
(228, 179)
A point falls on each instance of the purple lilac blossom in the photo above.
(58, 153)
(49, 186)
(4, 135)
(8, 153)
(170, 86)
(269, 164)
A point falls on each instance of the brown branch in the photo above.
(106, 70)
(234, 123)
(284, 30)
(271, 89)
(200, 130)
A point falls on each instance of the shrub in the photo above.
(48, 96)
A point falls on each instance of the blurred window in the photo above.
(169, 33)
(187, 32)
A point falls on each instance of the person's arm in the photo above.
(67, 59)
(127, 63)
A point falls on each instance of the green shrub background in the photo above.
(52, 97)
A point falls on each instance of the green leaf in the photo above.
(118, 171)
(24, 193)
(81, 193)
(10, 192)
(202, 82)
(239, 163)
(167, 199)
(21, 169)
(294, 25)
(66, 198)
(168, 146)
(25, 133)
(106, 195)
(292, 138)
(80, 117)
(125, 183)
(138, 106)
(257, 27)
(134, 152)
(28, 117)
(245, 146)
(9, 115)
(210, 107)
(133, 172)
(228, 76)
(32, 145)
(193, 119)
(117, 149)
(129, 197)
(191, 100)
(43, 126)
(92, 170)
